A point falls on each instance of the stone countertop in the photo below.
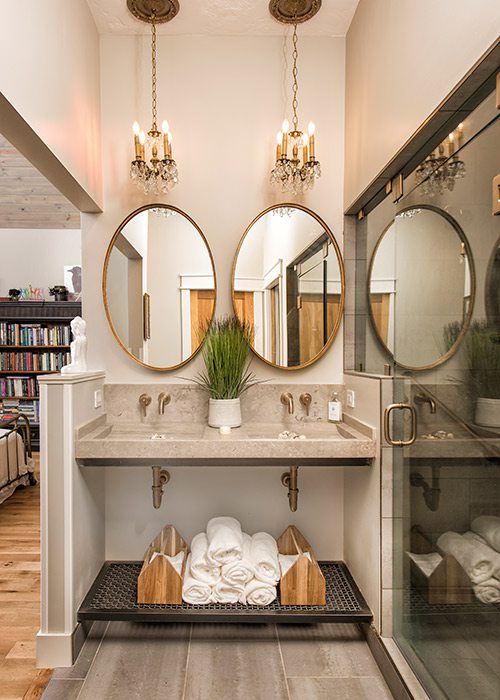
(101, 443)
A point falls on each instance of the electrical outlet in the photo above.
(98, 398)
(350, 398)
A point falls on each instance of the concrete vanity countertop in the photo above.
(104, 443)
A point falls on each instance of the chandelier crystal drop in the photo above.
(439, 171)
(296, 168)
(161, 174)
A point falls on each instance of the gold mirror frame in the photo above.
(105, 270)
(342, 281)
(465, 327)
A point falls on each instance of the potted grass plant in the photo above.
(226, 375)
(483, 355)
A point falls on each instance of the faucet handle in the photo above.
(306, 401)
(144, 401)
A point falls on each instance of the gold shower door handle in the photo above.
(387, 426)
(146, 316)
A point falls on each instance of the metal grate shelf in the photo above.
(113, 596)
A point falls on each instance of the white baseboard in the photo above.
(59, 650)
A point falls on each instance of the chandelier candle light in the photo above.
(296, 167)
(161, 175)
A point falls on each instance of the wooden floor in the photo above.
(20, 596)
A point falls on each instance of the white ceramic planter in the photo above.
(487, 413)
(224, 412)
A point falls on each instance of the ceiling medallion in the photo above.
(294, 11)
(163, 10)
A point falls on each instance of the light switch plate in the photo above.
(98, 398)
(350, 398)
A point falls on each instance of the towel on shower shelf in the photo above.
(224, 592)
(201, 568)
(240, 572)
(488, 591)
(488, 527)
(264, 558)
(258, 593)
(225, 540)
(479, 561)
(193, 591)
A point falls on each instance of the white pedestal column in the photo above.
(72, 514)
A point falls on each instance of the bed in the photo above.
(17, 467)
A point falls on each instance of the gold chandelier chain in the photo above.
(295, 102)
(154, 125)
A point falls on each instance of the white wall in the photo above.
(222, 97)
(36, 257)
(402, 59)
(49, 72)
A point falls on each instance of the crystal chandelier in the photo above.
(300, 171)
(161, 174)
(439, 171)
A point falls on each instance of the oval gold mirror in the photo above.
(421, 287)
(288, 283)
(159, 286)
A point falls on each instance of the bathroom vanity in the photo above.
(81, 582)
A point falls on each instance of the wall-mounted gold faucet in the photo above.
(425, 398)
(163, 400)
(144, 401)
(287, 399)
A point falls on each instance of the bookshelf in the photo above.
(34, 339)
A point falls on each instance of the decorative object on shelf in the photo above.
(78, 348)
(28, 293)
(483, 355)
(440, 171)
(227, 375)
(300, 171)
(162, 174)
(73, 279)
(59, 292)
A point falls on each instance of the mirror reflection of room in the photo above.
(288, 286)
(160, 286)
(421, 286)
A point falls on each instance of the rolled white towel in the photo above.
(479, 561)
(225, 540)
(224, 592)
(258, 593)
(488, 526)
(193, 591)
(288, 560)
(240, 572)
(201, 568)
(264, 558)
(488, 591)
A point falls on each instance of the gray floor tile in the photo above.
(62, 690)
(143, 661)
(336, 650)
(338, 688)
(465, 679)
(235, 662)
(81, 667)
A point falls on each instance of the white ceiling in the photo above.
(223, 17)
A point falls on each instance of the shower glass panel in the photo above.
(433, 303)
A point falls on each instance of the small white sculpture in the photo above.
(78, 348)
